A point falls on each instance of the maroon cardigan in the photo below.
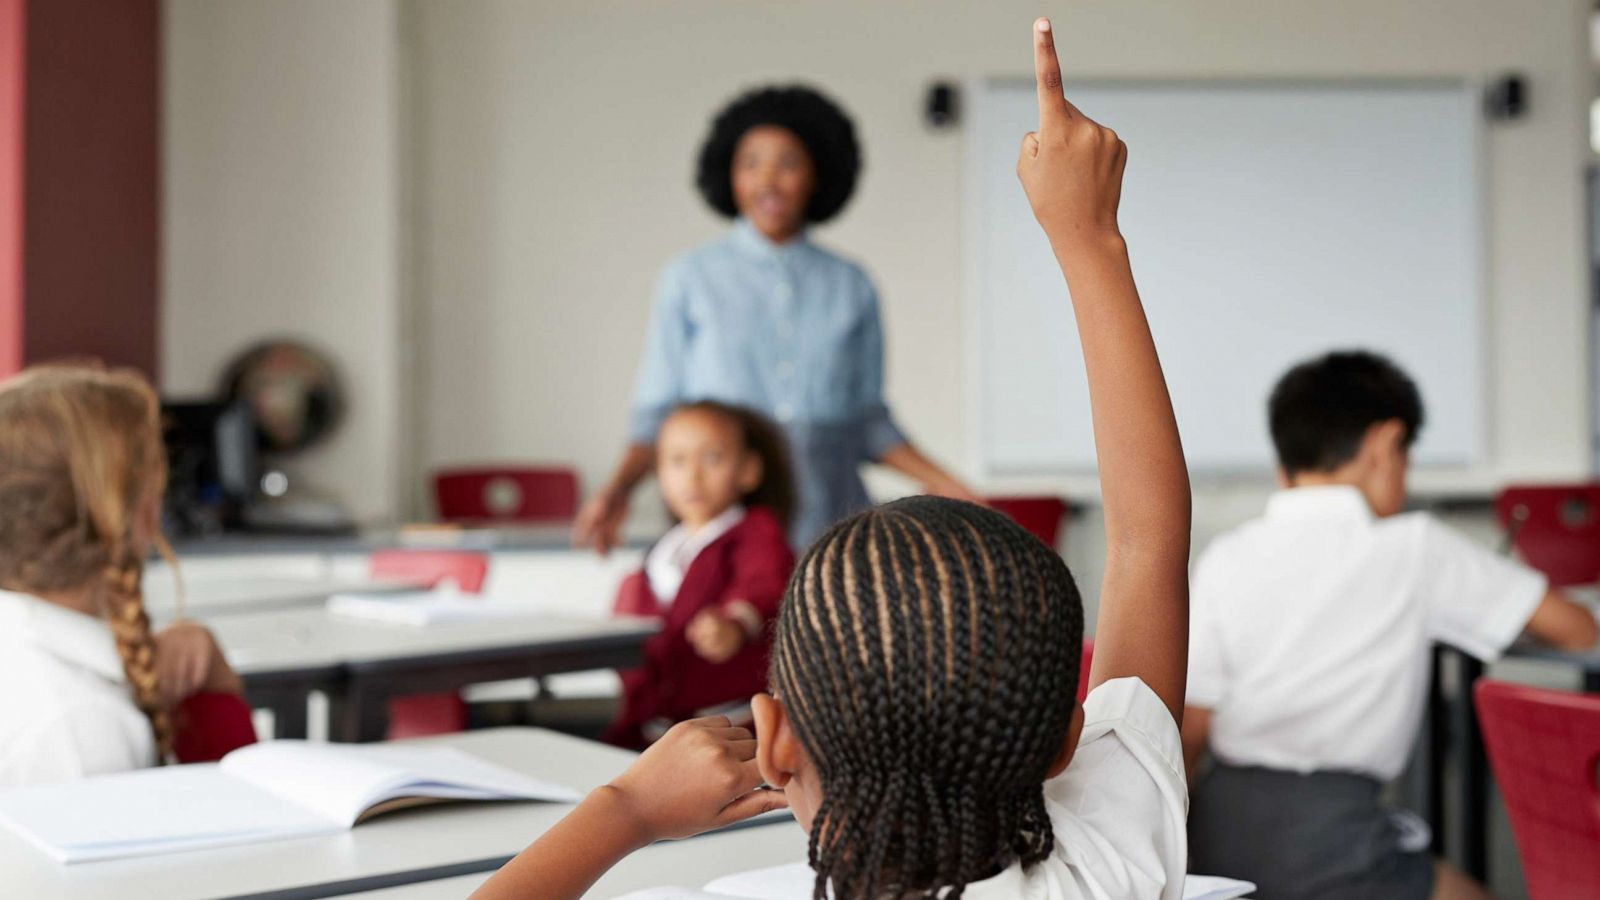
(751, 562)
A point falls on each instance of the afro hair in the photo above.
(826, 131)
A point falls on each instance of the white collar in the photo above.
(72, 636)
(685, 544)
(1319, 501)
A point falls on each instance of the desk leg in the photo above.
(288, 707)
(1591, 681)
(1438, 752)
(1474, 771)
(358, 714)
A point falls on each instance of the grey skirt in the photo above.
(1322, 836)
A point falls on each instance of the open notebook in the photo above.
(268, 791)
(794, 882)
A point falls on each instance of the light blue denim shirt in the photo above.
(792, 331)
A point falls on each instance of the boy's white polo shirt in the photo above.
(1311, 629)
(65, 706)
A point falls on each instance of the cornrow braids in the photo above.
(927, 652)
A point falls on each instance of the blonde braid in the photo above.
(82, 470)
(130, 625)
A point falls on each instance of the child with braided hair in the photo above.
(90, 689)
(922, 725)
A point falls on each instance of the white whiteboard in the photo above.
(1268, 222)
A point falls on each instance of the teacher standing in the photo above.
(764, 318)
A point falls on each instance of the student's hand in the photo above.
(701, 775)
(1071, 168)
(715, 635)
(188, 661)
(599, 522)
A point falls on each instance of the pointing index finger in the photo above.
(1053, 108)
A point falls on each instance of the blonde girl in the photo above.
(87, 687)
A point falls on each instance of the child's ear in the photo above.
(1382, 441)
(777, 750)
(750, 473)
(1070, 745)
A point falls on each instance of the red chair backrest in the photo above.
(1543, 745)
(1041, 516)
(430, 567)
(1556, 528)
(509, 494)
(208, 727)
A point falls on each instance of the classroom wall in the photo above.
(281, 212)
(543, 150)
(554, 160)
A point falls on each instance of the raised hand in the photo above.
(1071, 168)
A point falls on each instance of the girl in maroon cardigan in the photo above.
(716, 578)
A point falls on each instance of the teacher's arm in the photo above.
(658, 387)
(886, 444)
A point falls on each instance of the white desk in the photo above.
(205, 598)
(690, 864)
(399, 848)
(284, 655)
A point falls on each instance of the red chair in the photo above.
(509, 494)
(208, 727)
(1041, 516)
(1556, 528)
(431, 568)
(1543, 745)
(442, 713)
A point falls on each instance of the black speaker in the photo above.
(1506, 98)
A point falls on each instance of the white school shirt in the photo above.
(1118, 813)
(66, 709)
(1311, 629)
(671, 557)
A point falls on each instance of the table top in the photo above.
(205, 598)
(511, 538)
(1527, 648)
(289, 640)
(689, 864)
(412, 845)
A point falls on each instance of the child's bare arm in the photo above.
(1563, 623)
(1072, 172)
(700, 776)
(1196, 734)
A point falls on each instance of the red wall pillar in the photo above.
(13, 29)
(90, 162)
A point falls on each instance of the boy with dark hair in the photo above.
(1311, 630)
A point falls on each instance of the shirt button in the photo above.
(784, 291)
(785, 328)
(785, 369)
(785, 412)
